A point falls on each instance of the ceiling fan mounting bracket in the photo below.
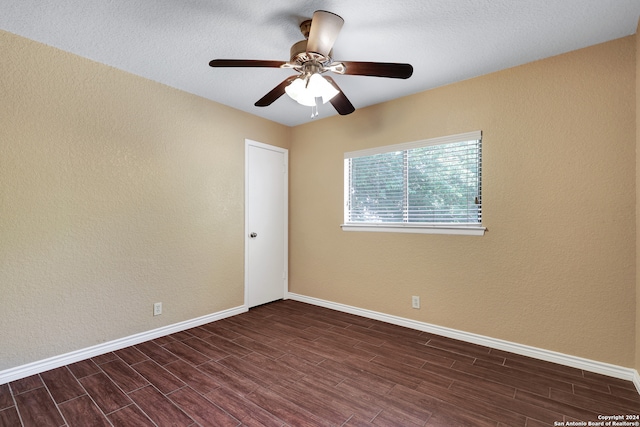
(305, 28)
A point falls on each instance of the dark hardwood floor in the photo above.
(289, 363)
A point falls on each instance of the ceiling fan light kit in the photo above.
(311, 58)
(305, 90)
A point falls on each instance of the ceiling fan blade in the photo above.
(245, 63)
(325, 27)
(340, 102)
(275, 93)
(378, 69)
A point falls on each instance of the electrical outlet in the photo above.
(157, 309)
(415, 302)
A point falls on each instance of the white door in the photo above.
(266, 223)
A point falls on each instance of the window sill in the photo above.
(467, 230)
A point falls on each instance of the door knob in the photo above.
(253, 235)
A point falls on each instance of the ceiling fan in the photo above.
(313, 57)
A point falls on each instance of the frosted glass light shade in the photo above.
(298, 91)
(305, 91)
(321, 88)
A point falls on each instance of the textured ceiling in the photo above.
(172, 41)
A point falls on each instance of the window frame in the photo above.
(471, 229)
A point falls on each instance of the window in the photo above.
(430, 186)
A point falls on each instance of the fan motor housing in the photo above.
(299, 54)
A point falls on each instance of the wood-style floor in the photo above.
(289, 363)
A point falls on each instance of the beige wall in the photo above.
(637, 334)
(556, 269)
(115, 192)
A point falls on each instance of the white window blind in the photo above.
(434, 184)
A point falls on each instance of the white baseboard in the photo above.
(37, 367)
(615, 371)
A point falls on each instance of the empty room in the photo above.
(319, 213)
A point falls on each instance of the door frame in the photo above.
(250, 143)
